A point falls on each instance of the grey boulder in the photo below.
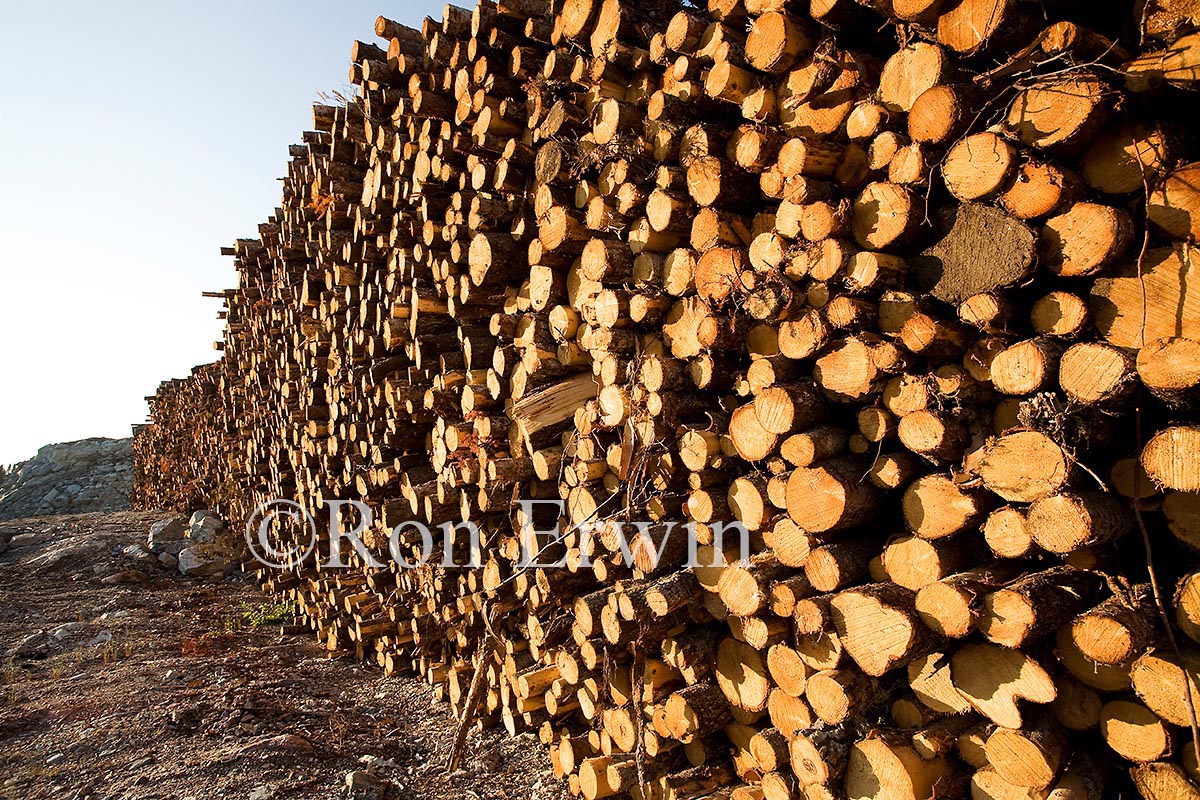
(196, 563)
(205, 527)
(167, 534)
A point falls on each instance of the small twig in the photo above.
(487, 649)
(1099, 481)
(637, 681)
(1008, 67)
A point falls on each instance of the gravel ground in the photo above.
(160, 686)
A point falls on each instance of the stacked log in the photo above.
(902, 288)
(186, 460)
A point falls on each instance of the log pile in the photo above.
(901, 287)
(187, 460)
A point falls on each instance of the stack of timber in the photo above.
(189, 459)
(902, 286)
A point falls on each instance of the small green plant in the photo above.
(251, 616)
(11, 676)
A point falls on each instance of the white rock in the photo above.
(364, 786)
(33, 643)
(196, 563)
(166, 532)
(66, 630)
(30, 539)
(172, 548)
(74, 554)
(205, 527)
(135, 551)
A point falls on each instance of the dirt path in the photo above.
(166, 689)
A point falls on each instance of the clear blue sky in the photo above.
(137, 138)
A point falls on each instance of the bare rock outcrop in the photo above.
(69, 478)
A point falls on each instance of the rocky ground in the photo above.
(124, 679)
(69, 478)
